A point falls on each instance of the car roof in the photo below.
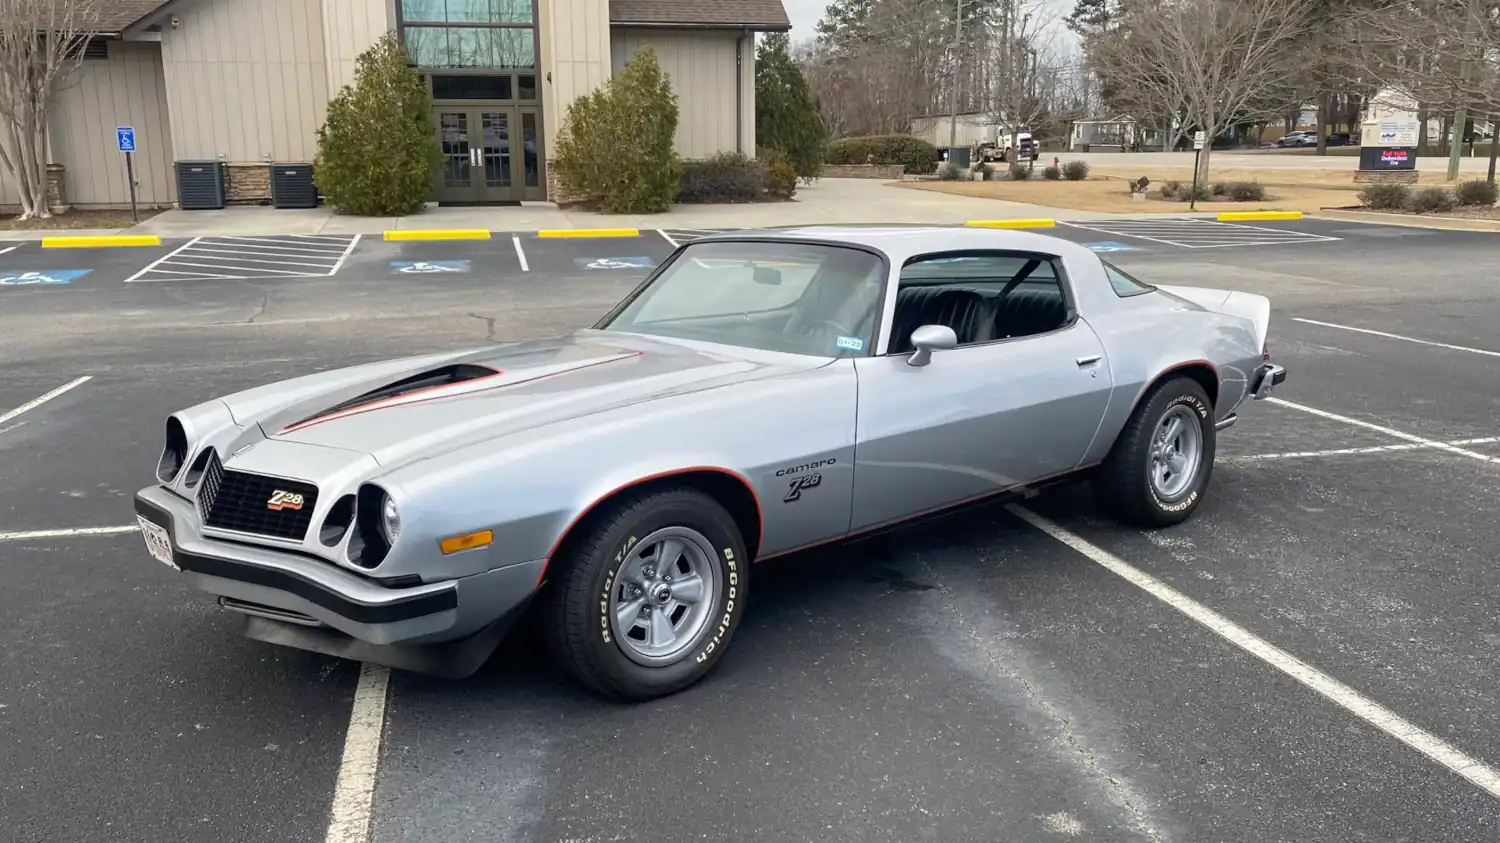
(901, 242)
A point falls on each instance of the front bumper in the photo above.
(1267, 378)
(308, 603)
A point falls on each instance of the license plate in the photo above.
(158, 543)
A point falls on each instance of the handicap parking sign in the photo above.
(639, 262)
(429, 267)
(40, 277)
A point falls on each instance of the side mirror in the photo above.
(766, 275)
(930, 338)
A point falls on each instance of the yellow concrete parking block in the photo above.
(589, 232)
(439, 234)
(1011, 223)
(100, 242)
(1241, 216)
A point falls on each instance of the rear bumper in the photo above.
(1267, 378)
(311, 604)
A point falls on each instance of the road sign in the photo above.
(1198, 139)
(125, 138)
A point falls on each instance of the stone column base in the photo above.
(57, 189)
(248, 184)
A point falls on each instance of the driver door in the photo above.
(1019, 400)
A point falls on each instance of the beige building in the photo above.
(247, 83)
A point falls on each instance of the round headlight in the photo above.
(390, 520)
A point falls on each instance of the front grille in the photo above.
(234, 500)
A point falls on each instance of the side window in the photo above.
(982, 296)
(1124, 284)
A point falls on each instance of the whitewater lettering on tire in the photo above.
(731, 594)
(609, 584)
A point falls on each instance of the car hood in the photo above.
(439, 404)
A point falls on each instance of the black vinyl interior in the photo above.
(976, 315)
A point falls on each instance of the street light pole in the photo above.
(958, 34)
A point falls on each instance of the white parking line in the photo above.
(1477, 772)
(352, 809)
(1374, 449)
(252, 258)
(667, 237)
(8, 249)
(1431, 443)
(42, 399)
(521, 253)
(1485, 352)
(31, 535)
(154, 264)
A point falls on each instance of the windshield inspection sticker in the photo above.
(1111, 246)
(42, 276)
(851, 343)
(616, 263)
(429, 267)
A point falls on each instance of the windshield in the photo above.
(799, 298)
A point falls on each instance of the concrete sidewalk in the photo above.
(829, 201)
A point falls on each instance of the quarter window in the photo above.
(1123, 283)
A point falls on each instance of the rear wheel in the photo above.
(649, 594)
(1160, 467)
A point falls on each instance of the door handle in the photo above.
(1089, 359)
(474, 156)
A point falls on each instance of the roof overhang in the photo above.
(701, 27)
(163, 12)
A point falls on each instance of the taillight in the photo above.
(1265, 352)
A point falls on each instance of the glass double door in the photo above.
(491, 154)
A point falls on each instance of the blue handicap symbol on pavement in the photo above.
(1111, 246)
(429, 267)
(42, 276)
(616, 263)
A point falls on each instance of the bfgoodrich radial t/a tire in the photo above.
(649, 595)
(1161, 465)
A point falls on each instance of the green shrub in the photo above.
(1052, 173)
(1431, 199)
(378, 150)
(786, 117)
(617, 145)
(1219, 188)
(1245, 191)
(1479, 193)
(782, 180)
(915, 155)
(1384, 197)
(1176, 191)
(1075, 170)
(725, 177)
(947, 171)
(1018, 171)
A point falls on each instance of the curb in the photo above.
(1408, 221)
(1037, 223)
(439, 234)
(589, 232)
(100, 242)
(1244, 216)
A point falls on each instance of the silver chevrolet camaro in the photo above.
(759, 393)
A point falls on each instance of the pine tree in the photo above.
(378, 150)
(786, 118)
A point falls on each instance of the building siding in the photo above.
(575, 57)
(349, 28)
(701, 68)
(127, 90)
(247, 80)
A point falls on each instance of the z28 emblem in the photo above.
(806, 481)
(283, 500)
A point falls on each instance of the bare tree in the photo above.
(42, 43)
(1019, 97)
(1216, 58)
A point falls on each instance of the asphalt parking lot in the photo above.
(987, 677)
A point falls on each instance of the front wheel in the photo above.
(1160, 467)
(649, 595)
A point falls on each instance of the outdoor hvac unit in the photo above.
(201, 185)
(292, 186)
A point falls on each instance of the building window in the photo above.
(467, 11)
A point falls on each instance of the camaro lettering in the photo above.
(798, 484)
(283, 500)
(798, 469)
